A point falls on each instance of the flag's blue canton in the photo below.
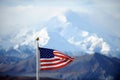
(46, 53)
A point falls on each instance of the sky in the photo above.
(83, 20)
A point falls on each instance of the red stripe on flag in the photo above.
(54, 63)
(54, 68)
(61, 54)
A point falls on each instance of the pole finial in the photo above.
(37, 39)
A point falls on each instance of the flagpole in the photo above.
(37, 59)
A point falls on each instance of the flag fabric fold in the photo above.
(52, 59)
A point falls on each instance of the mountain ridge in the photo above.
(90, 67)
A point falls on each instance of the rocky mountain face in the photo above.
(89, 67)
(86, 67)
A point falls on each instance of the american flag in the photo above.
(52, 59)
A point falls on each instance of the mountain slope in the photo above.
(56, 39)
(87, 67)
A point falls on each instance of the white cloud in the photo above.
(28, 37)
(28, 40)
(22, 36)
(105, 48)
(99, 43)
(16, 20)
(19, 22)
(92, 43)
(84, 33)
(16, 46)
(43, 36)
(17, 17)
(62, 18)
(71, 40)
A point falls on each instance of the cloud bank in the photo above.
(86, 24)
(91, 44)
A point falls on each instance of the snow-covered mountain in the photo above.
(14, 55)
(71, 43)
(58, 42)
(48, 39)
(61, 34)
